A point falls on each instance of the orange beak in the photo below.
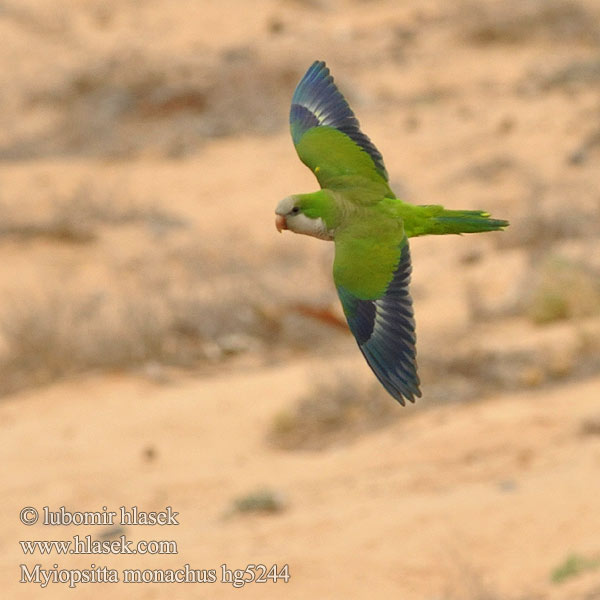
(280, 223)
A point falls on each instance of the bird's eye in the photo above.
(295, 210)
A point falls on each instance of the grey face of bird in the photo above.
(289, 215)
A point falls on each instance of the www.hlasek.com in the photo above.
(96, 574)
(89, 545)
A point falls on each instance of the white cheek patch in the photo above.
(300, 223)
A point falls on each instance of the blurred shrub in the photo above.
(125, 103)
(264, 500)
(334, 410)
(521, 21)
(563, 289)
(77, 217)
(573, 565)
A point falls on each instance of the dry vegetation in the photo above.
(148, 318)
(336, 409)
(80, 216)
(514, 22)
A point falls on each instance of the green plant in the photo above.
(573, 565)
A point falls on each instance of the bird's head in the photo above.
(301, 214)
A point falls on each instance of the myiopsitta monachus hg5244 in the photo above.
(356, 209)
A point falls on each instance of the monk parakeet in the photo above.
(356, 209)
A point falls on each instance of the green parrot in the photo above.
(356, 209)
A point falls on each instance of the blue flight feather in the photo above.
(318, 102)
(385, 332)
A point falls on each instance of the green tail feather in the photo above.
(436, 220)
(466, 221)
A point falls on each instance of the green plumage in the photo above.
(367, 252)
(357, 210)
(339, 164)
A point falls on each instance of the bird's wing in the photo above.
(327, 135)
(372, 279)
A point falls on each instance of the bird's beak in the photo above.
(280, 223)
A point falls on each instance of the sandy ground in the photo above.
(154, 327)
(455, 502)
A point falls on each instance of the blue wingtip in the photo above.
(319, 69)
(307, 98)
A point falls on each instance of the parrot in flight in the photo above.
(356, 209)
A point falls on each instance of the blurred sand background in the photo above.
(161, 345)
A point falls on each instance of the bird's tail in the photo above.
(442, 221)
